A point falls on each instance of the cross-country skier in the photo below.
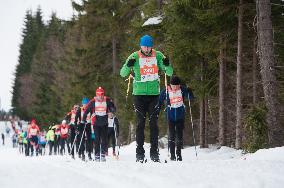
(73, 126)
(175, 110)
(113, 132)
(33, 132)
(63, 136)
(145, 65)
(50, 138)
(42, 143)
(84, 130)
(20, 141)
(3, 139)
(101, 105)
(56, 139)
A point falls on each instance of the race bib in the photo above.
(175, 97)
(148, 67)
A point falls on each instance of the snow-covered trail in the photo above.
(225, 167)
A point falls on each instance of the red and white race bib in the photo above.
(148, 67)
(64, 130)
(33, 132)
(101, 107)
(175, 97)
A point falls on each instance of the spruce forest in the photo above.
(229, 52)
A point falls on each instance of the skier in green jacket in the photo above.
(145, 66)
(50, 138)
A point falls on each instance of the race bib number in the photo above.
(148, 69)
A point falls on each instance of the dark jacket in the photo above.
(175, 114)
(100, 120)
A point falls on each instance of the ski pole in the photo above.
(193, 135)
(166, 85)
(128, 86)
(73, 144)
(82, 137)
(117, 156)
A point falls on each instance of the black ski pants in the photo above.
(111, 136)
(101, 139)
(176, 136)
(143, 105)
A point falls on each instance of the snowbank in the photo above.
(153, 21)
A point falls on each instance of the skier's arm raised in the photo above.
(89, 108)
(78, 116)
(164, 63)
(129, 63)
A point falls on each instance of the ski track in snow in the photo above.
(220, 168)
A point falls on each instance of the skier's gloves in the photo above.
(77, 131)
(131, 62)
(93, 136)
(166, 61)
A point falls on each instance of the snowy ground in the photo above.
(225, 167)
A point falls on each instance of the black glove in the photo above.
(166, 61)
(77, 131)
(131, 62)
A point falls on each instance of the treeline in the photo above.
(227, 51)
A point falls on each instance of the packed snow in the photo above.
(153, 21)
(224, 167)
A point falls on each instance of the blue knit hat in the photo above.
(85, 100)
(146, 40)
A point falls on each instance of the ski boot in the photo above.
(155, 157)
(140, 158)
(90, 157)
(83, 157)
(114, 154)
(97, 158)
(103, 158)
(173, 158)
(179, 157)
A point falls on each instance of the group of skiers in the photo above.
(93, 123)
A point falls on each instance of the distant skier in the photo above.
(56, 139)
(73, 126)
(14, 140)
(63, 136)
(175, 110)
(24, 134)
(100, 106)
(113, 132)
(8, 130)
(33, 132)
(42, 143)
(84, 130)
(50, 138)
(20, 141)
(146, 64)
(3, 139)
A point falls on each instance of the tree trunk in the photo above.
(202, 124)
(202, 132)
(206, 122)
(221, 97)
(254, 79)
(267, 63)
(114, 60)
(239, 75)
